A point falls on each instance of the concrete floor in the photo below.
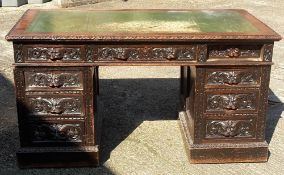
(139, 105)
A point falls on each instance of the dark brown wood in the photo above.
(58, 157)
(224, 88)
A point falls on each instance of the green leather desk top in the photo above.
(140, 21)
(134, 25)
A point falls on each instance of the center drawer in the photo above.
(134, 53)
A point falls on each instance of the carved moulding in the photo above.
(56, 132)
(53, 106)
(53, 80)
(229, 128)
(90, 54)
(231, 102)
(53, 54)
(19, 53)
(233, 77)
(187, 53)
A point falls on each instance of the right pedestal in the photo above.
(224, 113)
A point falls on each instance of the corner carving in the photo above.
(19, 53)
(202, 53)
(267, 52)
(90, 54)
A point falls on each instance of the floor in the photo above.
(139, 105)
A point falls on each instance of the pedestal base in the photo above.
(36, 157)
(222, 152)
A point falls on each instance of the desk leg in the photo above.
(97, 80)
(224, 123)
(184, 84)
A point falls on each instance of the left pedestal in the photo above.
(56, 115)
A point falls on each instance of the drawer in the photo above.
(230, 129)
(55, 133)
(52, 53)
(53, 79)
(234, 51)
(231, 101)
(55, 105)
(232, 77)
(145, 53)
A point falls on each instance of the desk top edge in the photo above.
(18, 33)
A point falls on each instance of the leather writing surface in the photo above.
(140, 22)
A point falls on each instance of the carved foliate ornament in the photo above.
(146, 53)
(57, 133)
(233, 77)
(53, 106)
(53, 80)
(54, 54)
(231, 102)
(230, 128)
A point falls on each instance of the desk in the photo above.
(225, 58)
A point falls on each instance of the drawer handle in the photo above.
(121, 58)
(232, 82)
(171, 58)
(56, 54)
(55, 85)
(56, 111)
(56, 108)
(233, 52)
(231, 107)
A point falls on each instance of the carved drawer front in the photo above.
(146, 53)
(55, 105)
(51, 53)
(233, 77)
(53, 133)
(237, 102)
(45, 79)
(230, 129)
(242, 52)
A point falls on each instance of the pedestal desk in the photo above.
(225, 58)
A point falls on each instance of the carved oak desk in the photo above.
(225, 58)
